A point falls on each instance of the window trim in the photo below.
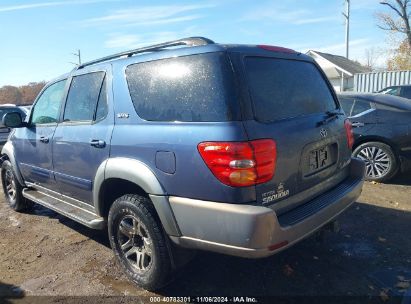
(83, 122)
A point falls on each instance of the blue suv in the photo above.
(237, 149)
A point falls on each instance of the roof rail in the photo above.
(190, 41)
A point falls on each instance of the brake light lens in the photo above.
(240, 164)
(350, 135)
(274, 48)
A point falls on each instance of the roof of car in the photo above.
(184, 47)
(396, 86)
(384, 99)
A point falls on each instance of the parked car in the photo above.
(401, 91)
(26, 108)
(5, 131)
(382, 126)
(241, 150)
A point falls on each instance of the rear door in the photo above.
(290, 100)
(361, 113)
(82, 140)
(406, 92)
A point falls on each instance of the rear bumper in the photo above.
(254, 231)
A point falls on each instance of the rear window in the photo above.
(283, 88)
(190, 88)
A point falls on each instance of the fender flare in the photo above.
(8, 150)
(141, 175)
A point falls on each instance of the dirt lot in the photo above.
(43, 253)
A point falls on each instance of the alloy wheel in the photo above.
(10, 185)
(377, 161)
(135, 243)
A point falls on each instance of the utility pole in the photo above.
(346, 15)
(78, 55)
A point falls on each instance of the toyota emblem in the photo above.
(323, 133)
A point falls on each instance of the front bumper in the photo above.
(255, 231)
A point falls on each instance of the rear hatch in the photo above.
(293, 104)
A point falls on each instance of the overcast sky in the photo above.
(37, 38)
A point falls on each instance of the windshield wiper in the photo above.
(331, 115)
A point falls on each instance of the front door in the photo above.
(33, 144)
(82, 140)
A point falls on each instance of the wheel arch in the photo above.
(7, 153)
(375, 138)
(119, 176)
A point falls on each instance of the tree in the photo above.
(30, 91)
(370, 58)
(401, 59)
(10, 94)
(22, 95)
(398, 22)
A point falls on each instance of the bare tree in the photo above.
(370, 58)
(399, 22)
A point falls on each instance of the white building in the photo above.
(339, 70)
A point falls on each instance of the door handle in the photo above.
(44, 139)
(357, 124)
(97, 143)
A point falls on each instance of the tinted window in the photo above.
(47, 107)
(102, 107)
(392, 91)
(286, 88)
(360, 106)
(346, 104)
(190, 88)
(82, 97)
(406, 92)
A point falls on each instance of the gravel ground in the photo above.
(45, 254)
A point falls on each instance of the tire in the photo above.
(381, 164)
(12, 189)
(139, 242)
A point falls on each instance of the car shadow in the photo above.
(9, 293)
(100, 236)
(401, 179)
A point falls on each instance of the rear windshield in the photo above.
(283, 88)
(190, 88)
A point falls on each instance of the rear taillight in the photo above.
(240, 164)
(350, 135)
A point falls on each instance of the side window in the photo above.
(406, 92)
(83, 96)
(47, 108)
(347, 104)
(360, 106)
(189, 88)
(393, 91)
(102, 107)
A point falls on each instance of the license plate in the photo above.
(319, 158)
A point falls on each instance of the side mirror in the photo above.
(12, 120)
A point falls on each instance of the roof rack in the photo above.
(190, 41)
